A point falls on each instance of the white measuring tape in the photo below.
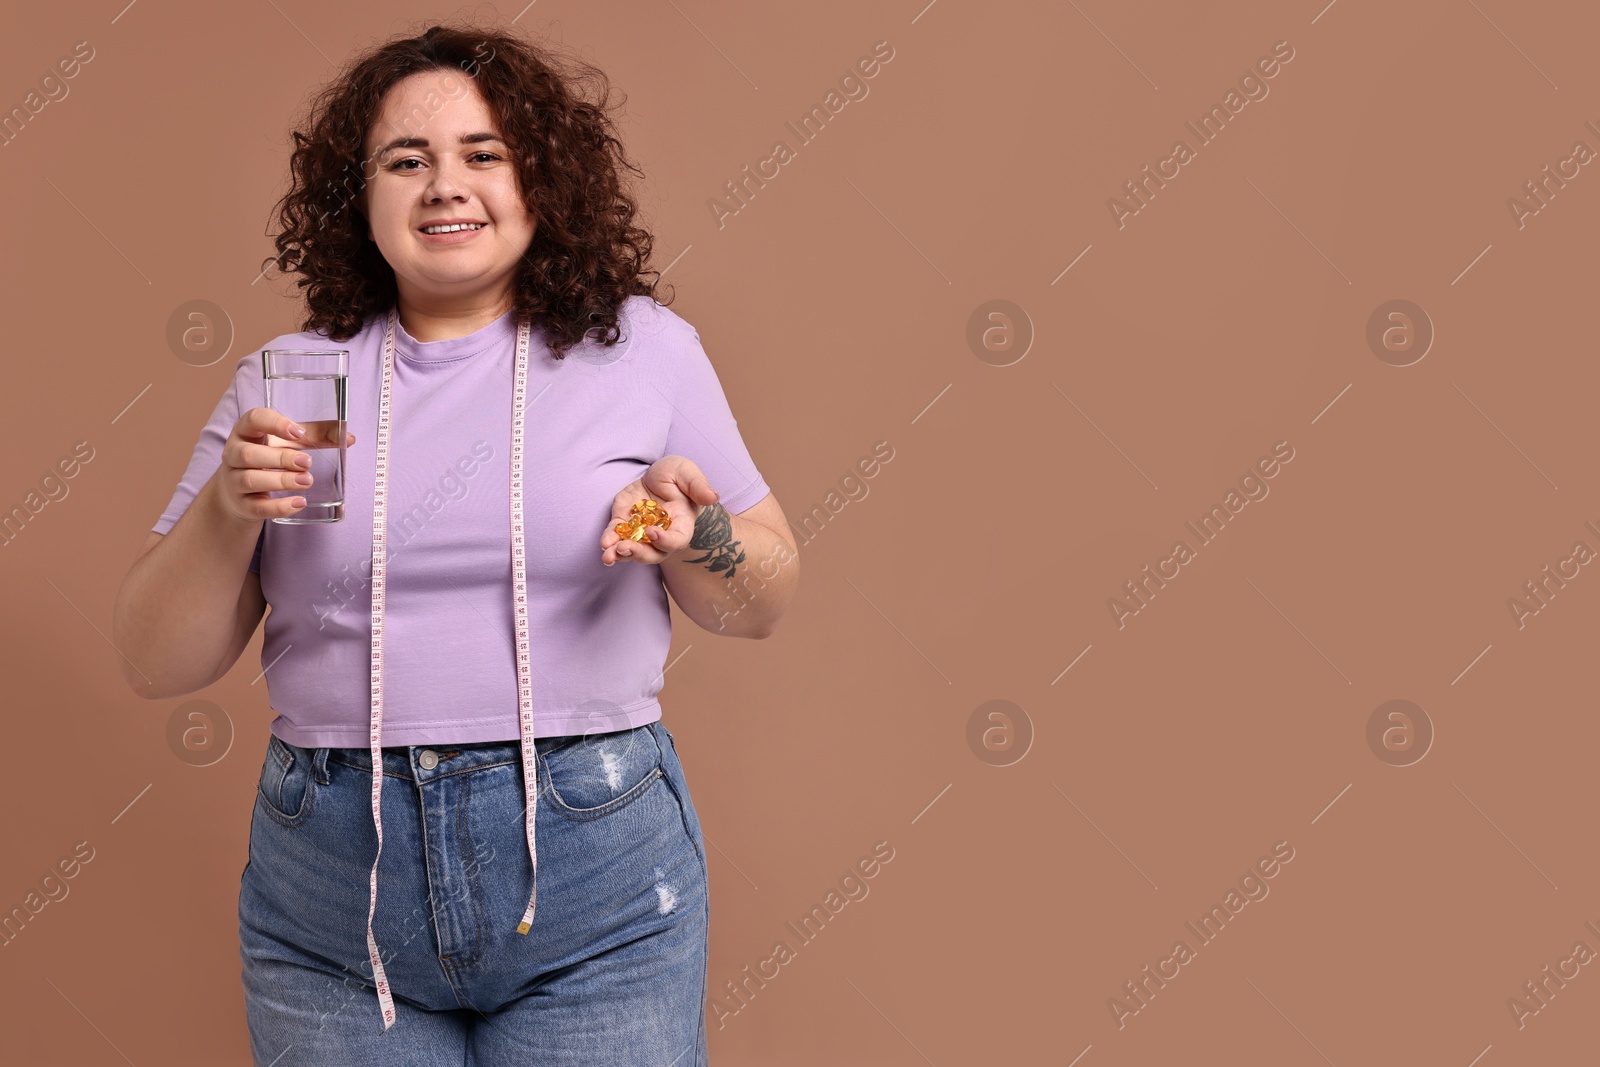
(380, 505)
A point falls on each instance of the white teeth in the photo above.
(452, 229)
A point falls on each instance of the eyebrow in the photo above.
(422, 142)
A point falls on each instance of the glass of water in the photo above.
(308, 386)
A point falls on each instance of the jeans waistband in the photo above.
(412, 761)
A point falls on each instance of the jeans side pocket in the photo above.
(284, 790)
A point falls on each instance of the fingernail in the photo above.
(302, 479)
(297, 430)
(302, 460)
(299, 501)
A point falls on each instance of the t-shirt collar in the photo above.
(502, 329)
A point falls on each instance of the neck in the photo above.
(441, 322)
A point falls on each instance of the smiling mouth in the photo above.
(432, 231)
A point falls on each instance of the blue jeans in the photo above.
(613, 971)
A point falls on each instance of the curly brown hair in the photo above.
(587, 256)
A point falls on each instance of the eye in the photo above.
(396, 165)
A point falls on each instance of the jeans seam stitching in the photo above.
(481, 932)
(683, 817)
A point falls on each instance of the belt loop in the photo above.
(319, 765)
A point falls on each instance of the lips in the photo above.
(454, 237)
(452, 222)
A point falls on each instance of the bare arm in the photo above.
(190, 603)
(739, 572)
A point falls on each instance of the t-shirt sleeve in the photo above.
(245, 390)
(703, 428)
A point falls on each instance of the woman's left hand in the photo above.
(680, 487)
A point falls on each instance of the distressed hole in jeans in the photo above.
(666, 895)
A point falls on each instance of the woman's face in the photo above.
(431, 176)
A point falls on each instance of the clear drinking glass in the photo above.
(308, 386)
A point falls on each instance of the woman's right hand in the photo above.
(255, 463)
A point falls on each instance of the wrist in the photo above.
(212, 496)
(695, 511)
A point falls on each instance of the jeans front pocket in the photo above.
(598, 774)
(284, 791)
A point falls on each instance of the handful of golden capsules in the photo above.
(644, 513)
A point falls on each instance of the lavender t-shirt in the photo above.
(594, 421)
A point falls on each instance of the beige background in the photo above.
(1230, 714)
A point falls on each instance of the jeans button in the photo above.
(428, 759)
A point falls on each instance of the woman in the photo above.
(458, 218)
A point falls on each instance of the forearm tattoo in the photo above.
(713, 532)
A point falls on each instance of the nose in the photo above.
(441, 185)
